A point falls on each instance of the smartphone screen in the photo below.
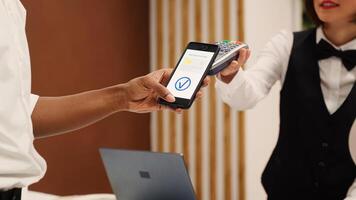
(190, 72)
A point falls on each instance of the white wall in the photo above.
(264, 19)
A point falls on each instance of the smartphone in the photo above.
(189, 73)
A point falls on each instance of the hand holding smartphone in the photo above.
(189, 73)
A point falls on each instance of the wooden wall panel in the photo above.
(210, 134)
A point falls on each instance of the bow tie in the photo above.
(325, 50)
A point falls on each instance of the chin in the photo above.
(329, 19)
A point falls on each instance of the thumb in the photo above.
(162, 91)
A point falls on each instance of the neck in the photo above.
(339, 33)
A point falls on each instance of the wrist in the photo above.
(118, 98)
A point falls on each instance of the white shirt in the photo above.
(251, 85)
(20, 164)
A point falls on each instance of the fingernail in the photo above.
(170, 98)
(235, 62)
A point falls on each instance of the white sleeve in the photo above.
(351, 195)
(251, 85)
(33, 101)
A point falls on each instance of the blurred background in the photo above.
(79, 45)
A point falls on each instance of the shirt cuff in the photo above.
(33, 100)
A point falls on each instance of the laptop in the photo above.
(139, 175)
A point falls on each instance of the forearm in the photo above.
(248, 87)
(56, 115)
(243, 92)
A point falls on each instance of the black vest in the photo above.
(311, 159)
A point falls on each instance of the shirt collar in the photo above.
(348, 46)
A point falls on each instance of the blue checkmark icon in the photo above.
(183, 83)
